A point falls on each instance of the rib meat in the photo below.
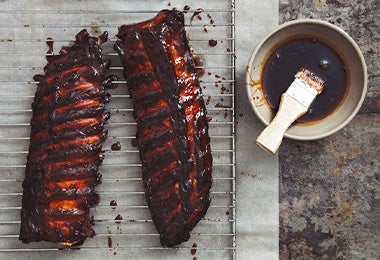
(172, 128)
(65, 145)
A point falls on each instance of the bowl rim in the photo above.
(334, 28)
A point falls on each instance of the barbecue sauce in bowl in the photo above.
(314, 55)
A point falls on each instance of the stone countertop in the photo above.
(329, 189)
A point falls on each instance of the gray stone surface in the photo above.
(329, 189)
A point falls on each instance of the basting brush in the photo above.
(294, 103)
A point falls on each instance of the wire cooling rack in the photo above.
(122, 220)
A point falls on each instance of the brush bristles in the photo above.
(311, 79)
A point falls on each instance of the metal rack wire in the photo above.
(23, 34)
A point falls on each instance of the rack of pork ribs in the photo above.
(172, 128)
(65, 144)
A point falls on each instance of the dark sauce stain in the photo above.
(196, 14)
(220, 105)
(118, 218)
(195, 258)
(211, 19)
(212, 43)
(198, 62)
(186, 8)
(225, 115)
(113, 204)
(227, 213)
(208, 100)
(193, 250)
(109, 82)
(116, 146)
(252, 175)
(109, 241)
(314, 55)
(50, 43)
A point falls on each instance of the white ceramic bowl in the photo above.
(348, 51)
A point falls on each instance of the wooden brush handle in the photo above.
(289, 110)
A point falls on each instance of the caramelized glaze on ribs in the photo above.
(172, 128)
(65, 145)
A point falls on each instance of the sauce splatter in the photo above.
(118, 218)
(193, 250)
(212, 43)
(208, 100)
(220, 105)
(109, 241)
(113, 204)
(196, 14)
(50, 43)
(116, 146)
(198, 62)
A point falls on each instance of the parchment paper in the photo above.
(257, 172)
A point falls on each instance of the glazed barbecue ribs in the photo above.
(65, 145)
(172, 128)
